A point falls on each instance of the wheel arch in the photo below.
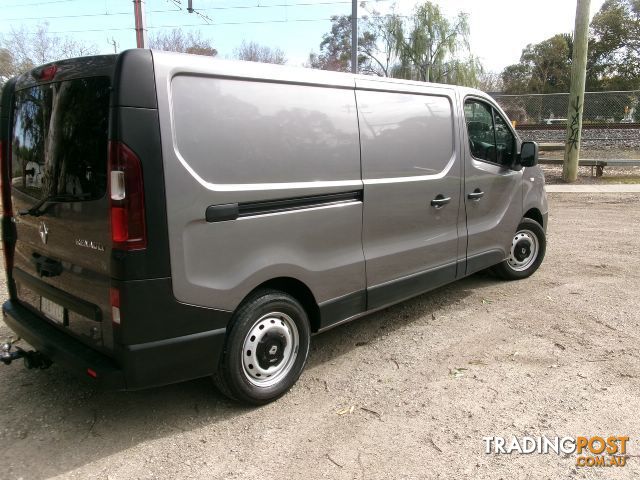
(298, 290)
(536, 215)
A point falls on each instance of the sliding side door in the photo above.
(411, 172)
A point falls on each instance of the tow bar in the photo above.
(31, 358)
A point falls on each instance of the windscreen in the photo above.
(59, 143)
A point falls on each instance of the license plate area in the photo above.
(52, 310)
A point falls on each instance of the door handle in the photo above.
(477, 194)
(440, 201)
(47, 267)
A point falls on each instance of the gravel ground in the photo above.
(556, 354)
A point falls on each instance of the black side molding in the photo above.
(403, 288)
(232, 211)
(221, 213)
(337, 310)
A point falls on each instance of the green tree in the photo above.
(335, 47)
(425, 46)
(515, 78)
(544, 67)
(433, 48)
(378, 44)
(614, 47)
(613, 59)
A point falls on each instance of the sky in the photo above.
(500, 29)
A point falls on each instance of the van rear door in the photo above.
(58, 174)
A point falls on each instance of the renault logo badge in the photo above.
(44, 232)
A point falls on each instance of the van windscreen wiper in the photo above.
(35, 209)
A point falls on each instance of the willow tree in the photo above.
(432, 48)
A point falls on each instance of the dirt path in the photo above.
(557, 354)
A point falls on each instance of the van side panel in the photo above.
(265, 158)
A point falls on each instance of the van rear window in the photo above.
(60, 139)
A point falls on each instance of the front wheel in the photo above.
(266, 348)
(528, 247)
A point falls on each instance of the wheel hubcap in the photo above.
(524, 250)
(270, 349)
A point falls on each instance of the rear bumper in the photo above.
(135, 367)
(60, 347)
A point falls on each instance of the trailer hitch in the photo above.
(31, 358)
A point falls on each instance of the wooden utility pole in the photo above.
(576, 97)
(141, 23)
(354, 36)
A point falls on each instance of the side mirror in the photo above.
(529, 154)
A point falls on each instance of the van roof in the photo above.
(187, 63)
(199, 64)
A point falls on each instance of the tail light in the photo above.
(128, 229)
(115, 305)
(7, 207)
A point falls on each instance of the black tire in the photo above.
(233, 378)
(508, 270)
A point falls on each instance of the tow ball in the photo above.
(31, 358)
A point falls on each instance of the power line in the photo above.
(303, 4)
(295, 20)
(244, 23)
(254, 22)
(37, 4)
(190, 9)
(105, 14)
(230, 7)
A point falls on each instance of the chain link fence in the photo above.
(609, 109)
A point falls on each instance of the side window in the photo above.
(480, 128)
(489, 136)
(505, 143)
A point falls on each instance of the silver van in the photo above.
(169, 216)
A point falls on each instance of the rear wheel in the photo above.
(528, 247)
(266, 348)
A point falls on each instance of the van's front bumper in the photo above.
(134, 366)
